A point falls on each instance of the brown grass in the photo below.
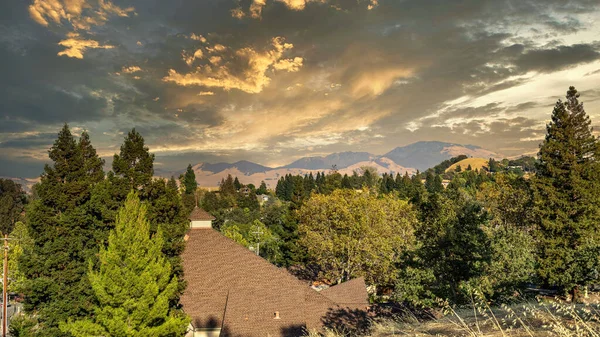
(476, 164)
(529, 319)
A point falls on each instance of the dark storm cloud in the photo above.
(43, 140)
(548, 60)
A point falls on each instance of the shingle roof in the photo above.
(229, 286)
(351, 293)
(198, 214)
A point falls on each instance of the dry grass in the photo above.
(529, 319)
(476, 164)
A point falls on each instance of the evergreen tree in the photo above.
(64, 233)
(567, 198)
(262, 189)
(237, 184)
(12, 204)
(227, 186)
(189, 180)
(346, 183)
(134, 163)
(132, 284)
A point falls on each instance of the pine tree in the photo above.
(135, 163)
(64, 233)
(567, 198)
(237, 184)
(189, 180)
(262, 189)
(133, 283)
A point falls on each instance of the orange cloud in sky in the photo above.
(252, 78)
(76, 45)
(82, 15)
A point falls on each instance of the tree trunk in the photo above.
(575, 296)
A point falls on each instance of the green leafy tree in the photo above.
(567, 199)
(132, 284)
(134, 163)
(508, 201)
(19, 242)
(349, 234)
(453, 251)
(12, 204)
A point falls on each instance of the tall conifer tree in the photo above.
(134, 163)
(567, 199)
(63, 233)
(133, 283)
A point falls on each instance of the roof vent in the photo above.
(276, 315)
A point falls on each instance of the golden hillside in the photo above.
(476, 164)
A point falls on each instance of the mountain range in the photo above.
(410, 158)
(417, 156)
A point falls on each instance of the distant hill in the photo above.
(244, 166)
(423, 155)
(340, 160)
(476, 164)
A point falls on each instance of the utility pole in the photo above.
(258, 234)
(4, 286)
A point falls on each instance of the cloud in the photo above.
(245, 69)
(76, 45)
(558, 58)
(189, 58)
(82, 15)
(131, 69)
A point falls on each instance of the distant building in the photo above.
(262, 198)
(232, 292)
(245, 191)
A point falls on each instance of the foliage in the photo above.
(134, 163)
(12, 204)
(255, 236)
(64, 234)
(132, 284)
(453, 250)
(350, 234)
(19, 242)
(567, 198)
(189, 180)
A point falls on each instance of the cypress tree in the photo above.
(64, 234)
(189, 180)
(133, 283)
(567, 199)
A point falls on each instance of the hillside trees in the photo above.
(133, 283)
(63, 233)
(348, 234)
(567, 198)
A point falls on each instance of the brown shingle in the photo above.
(198, 214)
(351, 293)
(229, 286)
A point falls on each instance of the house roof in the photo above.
(229, 287)
(351, 293)
(198, 214)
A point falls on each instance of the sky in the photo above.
(274, 80)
